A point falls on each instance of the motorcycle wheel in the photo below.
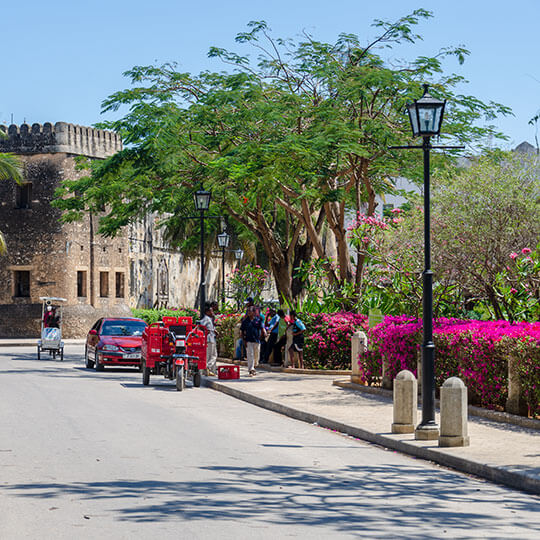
(180, 381)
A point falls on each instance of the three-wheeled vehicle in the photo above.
(174, 348)
(51, 327)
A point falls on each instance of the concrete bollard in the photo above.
(454, 413)
(405, 402)
(358, 347)
(515, 403)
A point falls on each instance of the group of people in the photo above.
(266, 335)
(263, 336)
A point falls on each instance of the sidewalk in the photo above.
(500, 452)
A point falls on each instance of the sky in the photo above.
(61, 58)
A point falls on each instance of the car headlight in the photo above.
(110, 348)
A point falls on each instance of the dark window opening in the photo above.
(23, 196)
(104, 284)
(81, 283)
(22, 283)
(120, 280)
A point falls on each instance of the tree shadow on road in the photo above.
(371, 501)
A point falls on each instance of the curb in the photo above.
(279, 369)
(512, 479)
(488, 414)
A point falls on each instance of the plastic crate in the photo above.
(228, 372)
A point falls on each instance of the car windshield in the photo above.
(123, 328)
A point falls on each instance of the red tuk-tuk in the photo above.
(175, 349)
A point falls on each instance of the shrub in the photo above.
(154, 315)
(225, 324)
(475, 351)
(328, 339)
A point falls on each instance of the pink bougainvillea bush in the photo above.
(475, 351)
(328, 339)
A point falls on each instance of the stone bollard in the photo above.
(515, 403)
(405, 402)
(358, 347)
(386, 380)
(453, 413)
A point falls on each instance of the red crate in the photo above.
(228, 372)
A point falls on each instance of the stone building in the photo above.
(98, 276)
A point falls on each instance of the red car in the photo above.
(114, 341)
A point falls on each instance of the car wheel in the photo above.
(89, 364)
(98, 366)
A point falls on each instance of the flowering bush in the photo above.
(249, 280)
(475, 351)
(225, 324)
(328, 339)
(518, 286)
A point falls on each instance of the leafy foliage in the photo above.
(286, 143)
(155, 315)
(475, 351)
(10, 169)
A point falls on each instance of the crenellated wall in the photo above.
(60, 138)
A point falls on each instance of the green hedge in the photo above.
(154, 315)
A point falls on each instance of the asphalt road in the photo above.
(97, 455)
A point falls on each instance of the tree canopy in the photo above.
(290, 144)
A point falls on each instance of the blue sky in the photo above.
(61, 58)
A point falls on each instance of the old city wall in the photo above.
(98, 276)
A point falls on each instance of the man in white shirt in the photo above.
(211, 348)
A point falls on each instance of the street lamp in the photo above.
(223, 242)
(239, 254)
(202, 203)
(426, 115)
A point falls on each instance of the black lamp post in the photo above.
(202, 203)
(426, 115)
(223, 242)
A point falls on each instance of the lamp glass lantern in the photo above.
(202, 199)
(239, 254)
(426, 115)
(223, 240)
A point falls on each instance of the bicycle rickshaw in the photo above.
(51, 327)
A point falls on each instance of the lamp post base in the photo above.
(427, 432)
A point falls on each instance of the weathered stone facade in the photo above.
(98, 276)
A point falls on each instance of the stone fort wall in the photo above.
(98, 276)
(60, 138)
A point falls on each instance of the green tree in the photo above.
(289, 144)
(10, 169)
(485, 220)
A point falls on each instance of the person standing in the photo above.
(211, 347)
(251, 334)
(272, 328)
(281, 338)
(297, 347)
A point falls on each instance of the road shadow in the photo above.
(371, 501)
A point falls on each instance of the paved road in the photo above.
(96, 455)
